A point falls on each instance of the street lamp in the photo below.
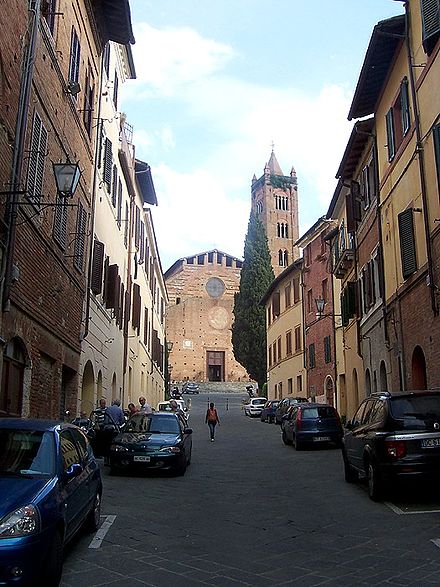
(66, 178)
(320, 303)
(169, 346)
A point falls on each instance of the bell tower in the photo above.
(275, 202)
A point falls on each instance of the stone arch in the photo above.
(355, 385)
(383, 382)
(88, 389)
(16, 364)
(329, 390)
(418, 369)
(114, 387)
(99, 385)
(367, 383)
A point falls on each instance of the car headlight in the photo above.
(23, 522)
(172, 449)
(118, 448)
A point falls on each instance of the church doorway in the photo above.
(215, 361)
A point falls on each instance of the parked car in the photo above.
(190, 387)
(159, 440)
(101, 432)
(307, 423)
(393, 436)
(285, 404)
(165, 406)
(254, 406)
(51, 486)
(268, 411)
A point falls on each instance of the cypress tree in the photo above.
(249, 327)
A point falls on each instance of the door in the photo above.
(215, 365)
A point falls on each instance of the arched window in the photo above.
(278, 229)
(285, 259)
(286, 230)
(418, 368)
(280, 258)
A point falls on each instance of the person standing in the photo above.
(100, 413)
(115, 412)
(212, 419)
(145, 407)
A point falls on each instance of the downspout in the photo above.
(128, 291)
(93, 203)
(19, 143)
(421, 159)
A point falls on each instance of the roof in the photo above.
(114, 20)
(272, 287)
(360, 134)
(274, 166)
(305, 237)
(145, 182)
(386, 37)
(175, 265)
(334, 199)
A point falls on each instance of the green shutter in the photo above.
(404, 106)
(390, 134)
(431, 23)
(407, 243)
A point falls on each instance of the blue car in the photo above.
(50, 486)
(311, 424)
(268, 413)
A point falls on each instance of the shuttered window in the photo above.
(146, 327)
(404, 106)
(295, 290)
(407, 243)
(60, 221)
(436, 133)
(287, 296)
(276, 304)
(37, 158)
(390, 134)
(289, 343)
(136, 316)
(312, 361)
(111, 287)
(88, 101)
(431, 23)
(327, 349)
(297, 338)
(97, 267)
(108, 163)
(142, 243)
(119, 217)
(80, 238)
(106, 59)
(74, 63)
(114, 185)
(115, 91)
(121, 306)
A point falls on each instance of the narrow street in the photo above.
(251, 511)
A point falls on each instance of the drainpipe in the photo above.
(421, 159)
(19, 143)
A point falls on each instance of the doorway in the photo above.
(215, 365)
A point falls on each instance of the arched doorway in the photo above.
(367, 383)
(114, 387)
(383, 377)
(88, 389)
(418, 368)
(355, 385)
(329, 391)
(14, 364)
(99, 386)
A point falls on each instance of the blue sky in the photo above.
(217, 82)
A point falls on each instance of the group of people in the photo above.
(115, 413)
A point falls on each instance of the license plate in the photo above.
(430, 442)
(321, 439)
(141, 459)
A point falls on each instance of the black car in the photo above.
(307, 423)
(285, 404)
(268, 412)
(190, 387)
(393, 436)
(159, 440)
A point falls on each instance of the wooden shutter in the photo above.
(137, 226)
(136, 316)
(276, 304)
(114, 185)
(119, 217)
(108, 163)
(295, 290)
(80, 240)
(297, 338)
(127, 308)
(97, 267)
(121, 306)
(351, 299)
(436, 133)
(74, 57)
(390, 134)
(407, 243)
(37, 157)
(327, 349)
(431, 24)
(404, 106)
(111, 293)
(146, 327)
(312, 355)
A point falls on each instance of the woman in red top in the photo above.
(212, 419)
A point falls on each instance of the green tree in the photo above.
(249, 327)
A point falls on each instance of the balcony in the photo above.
(343, 264)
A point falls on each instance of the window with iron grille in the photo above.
(37, 156)
(74, 62)
(327, 349)
(80, 239)
(60, 221)
(312, 356)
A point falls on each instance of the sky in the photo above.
(219, 83)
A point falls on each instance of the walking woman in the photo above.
(212, 419)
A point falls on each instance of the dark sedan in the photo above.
(152, 441)
(50, 485)
(268, 413)
(308, 423)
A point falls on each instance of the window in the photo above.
(368, 184)
(324, 290)
(88, 101)
(211, 257)
(431, 24)
(74, 63)
(407, 243)
(97, 267)
(289, 343)
(115, 91)
(200, 259)
(114, 185)
(297, 338)
(108, 163)
(348, 302)
(119, 216)
(312, 356)
(219, 258)
(269, 356)
(295, 290)
(308, 255)
(290, 386)
(60, 221)
(287, 296)
(279, 349)
(309, 301)
(398, 120)
(327, 349)
(276, 304)
(106, 59)
(49, 8)
(80, 238)
(299, 386)
(37, 156)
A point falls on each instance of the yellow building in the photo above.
(286, 373)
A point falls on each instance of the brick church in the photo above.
(201, 287)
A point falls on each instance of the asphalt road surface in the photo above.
(252, 511)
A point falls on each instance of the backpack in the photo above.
(212, 415)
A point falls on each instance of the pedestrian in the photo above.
(212, 419)
(145, 406)
(132, 409)
(115, 413)
(100, 413)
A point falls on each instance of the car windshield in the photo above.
(261, 401)
(416, 412)
(151, 423)
(318, 412)
(27, 452)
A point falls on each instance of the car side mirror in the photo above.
(188, 431)
(73, 471)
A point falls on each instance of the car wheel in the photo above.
(375, 484)
(262, 419)
(298, 445)
(94, 518)
(350, 474)
(181, 469)
(53, 567)
(285, 439)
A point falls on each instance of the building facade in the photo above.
(201, 292)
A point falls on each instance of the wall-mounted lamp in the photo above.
(320, 303)
(73, 88)
(66, 178)
(169, 346)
